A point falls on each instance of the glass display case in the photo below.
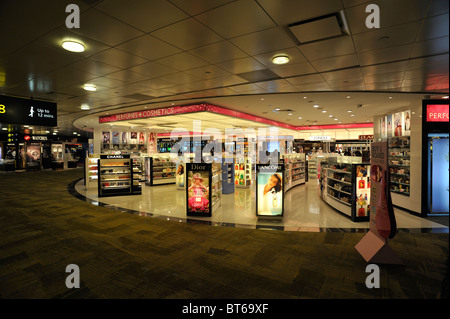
(399, 164)
(91, 171)
(346, 187)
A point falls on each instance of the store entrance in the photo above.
(438, 173)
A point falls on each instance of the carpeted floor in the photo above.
(43, 229)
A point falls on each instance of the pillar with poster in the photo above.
(373, 247)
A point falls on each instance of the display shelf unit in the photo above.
(137, 175)
(216, 186)
(294, 170)
(160, 170)
(346, 187)
(91, 172)
(244, 172)
(399, 164)
(115, 175)
(312, 168)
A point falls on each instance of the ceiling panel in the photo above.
(236, 18)
(142, 14)
(321, 50)
(430, 47)
(391, 13)
(219, 52)
(241, 65)
(398, 67)
(434, 27)
(118, 58)
(340, 62)
(386, 37)
(397, 53)
(208, 72)
(182, 61)
(437, 7)
(148, 47)
(152, 69)
(187, 34)
(194, 7)
(263, 41)
(111, 33)
(294, 69)
(285, 12)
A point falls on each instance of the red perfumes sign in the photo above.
(437, 113)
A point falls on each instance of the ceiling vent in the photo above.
(317, 29)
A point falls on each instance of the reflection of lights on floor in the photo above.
(313, 209)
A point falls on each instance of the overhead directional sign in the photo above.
(15, 110)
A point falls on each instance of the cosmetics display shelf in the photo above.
(399, 164)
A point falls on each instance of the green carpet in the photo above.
(43, 229)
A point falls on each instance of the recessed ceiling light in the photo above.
(277, 109)
(316, 105)
(54, 133)
(90, 87)
(324, 111)
(305, 97)
(280, 59)
(352, 114)
(85, 106)
(445, 97)
(335, 119)
(75, 133)
(339, 122)
(390, 97)
(349, 111)
(289, 113)
(299, 117)
(348, 96)
(262, 99)
(73, 46)
(330, 115)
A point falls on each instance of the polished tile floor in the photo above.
(304, 210)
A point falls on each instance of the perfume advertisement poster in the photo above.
(198, 189)
(180, 175)
(115, 137)
(382, 218)
(133, 137)
(383, 126)
(106, 138)
(141, 138)
(362, 191)
(389, 126)
(33, 153)
(269, 190)
(407, 123)
(124, 137)
(398, 124)
(152, 146)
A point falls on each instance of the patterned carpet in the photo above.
(43, 229)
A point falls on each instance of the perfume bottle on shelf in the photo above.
(274, 199)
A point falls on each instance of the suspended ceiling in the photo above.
(157, 52)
